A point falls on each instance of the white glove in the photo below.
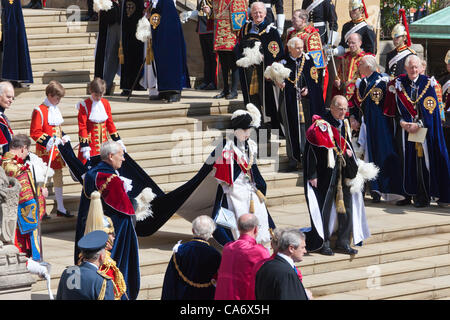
(65, 139)
(186, 15)
(52, 142)
(280, 23)
(86, 152)
(122, 145)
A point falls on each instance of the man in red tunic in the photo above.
(348, 71)
(95, 122)
(45, 129)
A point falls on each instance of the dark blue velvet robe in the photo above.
(125, 250)
(289, 107)
(382, 150)
(169, 49)
(199, 262)
(166, 205)
(437, 178)
(16, 64)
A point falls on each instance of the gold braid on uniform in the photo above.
(101, 295)
(120, 287)
(185, 279)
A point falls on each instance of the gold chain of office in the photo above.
(299, 72)
(420, 96)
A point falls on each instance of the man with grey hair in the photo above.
(255, 88)
(238, 261)
(119, 206)
(376, 135)
(277, 279)
(6, 99)
(300, 99)
(411, 99)
(192, 271)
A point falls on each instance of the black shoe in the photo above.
(375, 197)
(29, 5)
(154, 97)
(125, 93)
(46, 217)
(232, 95)
(93, 17)
(221, 95)
(210, 86)
(421, 204)
(202, 86)
(37, 5)
(403, 202)
(346, 249)
(326, 250)
(67, 214)
(174, 97)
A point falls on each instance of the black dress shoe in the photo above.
(232, 95)
(403, 202)
(220, 95)
(67, 214)
(155, 97)
(421, 204)
(210, 86)
(201, 86)
(326, 250)
(125, 93)
(346, 249)
(37, 5)
(174, 97)
(376, 198)
(46, 217)
(29, 5)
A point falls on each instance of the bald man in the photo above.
(6, 99)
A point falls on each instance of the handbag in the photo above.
(226, 218)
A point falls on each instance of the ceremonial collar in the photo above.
(357, 53)
(2, 110)
(261, 26)
(401, 48)
(358, 20)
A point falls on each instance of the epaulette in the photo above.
(104, 275)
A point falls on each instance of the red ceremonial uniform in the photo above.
(6, 132)
(41, 132)
(348, 73)
(92, 134)
(225, 31)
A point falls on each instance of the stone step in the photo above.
(63, 76)
(370, 255)
(46, 15)
(63, 63)
(60, 38)
(37, 90)
(385, 274)
(56, 51)
(61, 27)
(436, 288)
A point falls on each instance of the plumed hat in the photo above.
(245, 119)
(401, 28)
(355, 4)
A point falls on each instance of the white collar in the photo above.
(287, 258)
(55, 117)
(96, 267)
(98, 112)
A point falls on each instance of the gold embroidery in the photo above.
(155, 20)
(274, 48)
(314, 74)
(429, 103)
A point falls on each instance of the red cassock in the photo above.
(92, 134)
(41, 132)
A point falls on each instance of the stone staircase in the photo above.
(407, 256)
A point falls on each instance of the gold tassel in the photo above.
(254, 84)
(252, 206)
(261, 196)
(340, 206)
(121, 56)
(149, 57)
(419, 149)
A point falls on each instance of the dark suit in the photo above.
(277, 280)
(84, 283)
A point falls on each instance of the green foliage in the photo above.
(389, 12)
